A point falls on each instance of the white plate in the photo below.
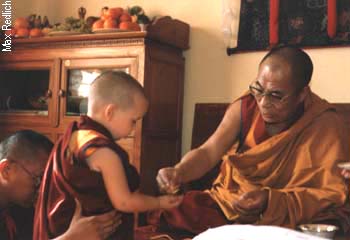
(63, 33)
(344, 165)
(108, 30)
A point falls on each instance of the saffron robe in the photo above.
(67, 176)
(297, 166)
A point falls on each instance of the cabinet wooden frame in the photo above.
(31, 119)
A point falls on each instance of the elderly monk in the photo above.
(280, 144)
(23, 157)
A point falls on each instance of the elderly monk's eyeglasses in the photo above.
(36, 178)
(274, 98)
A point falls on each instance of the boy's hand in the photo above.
(169, 201)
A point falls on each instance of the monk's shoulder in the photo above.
(329, 118)
(329, 121)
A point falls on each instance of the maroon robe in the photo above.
(8, 229)
(67, 176)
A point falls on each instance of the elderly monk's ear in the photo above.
(5, 168)
(303, 93)
(109, 111)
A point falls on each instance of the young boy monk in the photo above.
(86, 164)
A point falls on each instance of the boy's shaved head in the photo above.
(114, 87)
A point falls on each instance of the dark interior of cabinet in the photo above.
(24, 90)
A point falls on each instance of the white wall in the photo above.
(211, 75)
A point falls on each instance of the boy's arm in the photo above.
(107, 162)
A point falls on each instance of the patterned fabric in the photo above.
(266, 23)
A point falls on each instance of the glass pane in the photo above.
(79, 81)
(24, 91)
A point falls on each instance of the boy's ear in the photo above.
(5, 168)
(109, 111)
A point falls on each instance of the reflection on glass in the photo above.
(24, 91)
(79, 81)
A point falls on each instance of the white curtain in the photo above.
(230, 21)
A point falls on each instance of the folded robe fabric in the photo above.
(7, 226)
(68, 177)
(297, 166)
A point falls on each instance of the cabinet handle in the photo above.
(48, 93)
(61, 93)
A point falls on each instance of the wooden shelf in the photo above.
(164, 30)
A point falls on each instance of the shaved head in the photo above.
(25, 145)
(300, 64)
(115, 87)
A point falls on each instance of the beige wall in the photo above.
(211, 76)
(23, 8)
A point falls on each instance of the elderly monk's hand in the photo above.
(251, 204)
(169, 180)
(93, 227)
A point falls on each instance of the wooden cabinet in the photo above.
(43, 87)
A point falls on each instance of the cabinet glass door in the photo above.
(26, 93)
(78, 74)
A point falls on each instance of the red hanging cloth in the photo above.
(332, 18)
(274, 17)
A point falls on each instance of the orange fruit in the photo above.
(98, 24)
(103, 17)
(135, 26)
(35, 32)
(46, 30)
(22, 32)
(114, 13)
(129, 26)
(110, 23)
(124, 25)
(21, 22)
(125, 17)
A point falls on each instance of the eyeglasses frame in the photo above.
(36, 178)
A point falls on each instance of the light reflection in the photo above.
(87, 78)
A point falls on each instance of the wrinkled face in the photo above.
(274, 92)
(124, 120)
(26, 180)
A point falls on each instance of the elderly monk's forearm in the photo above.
(194, 165)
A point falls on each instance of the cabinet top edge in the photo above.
(81, 37)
